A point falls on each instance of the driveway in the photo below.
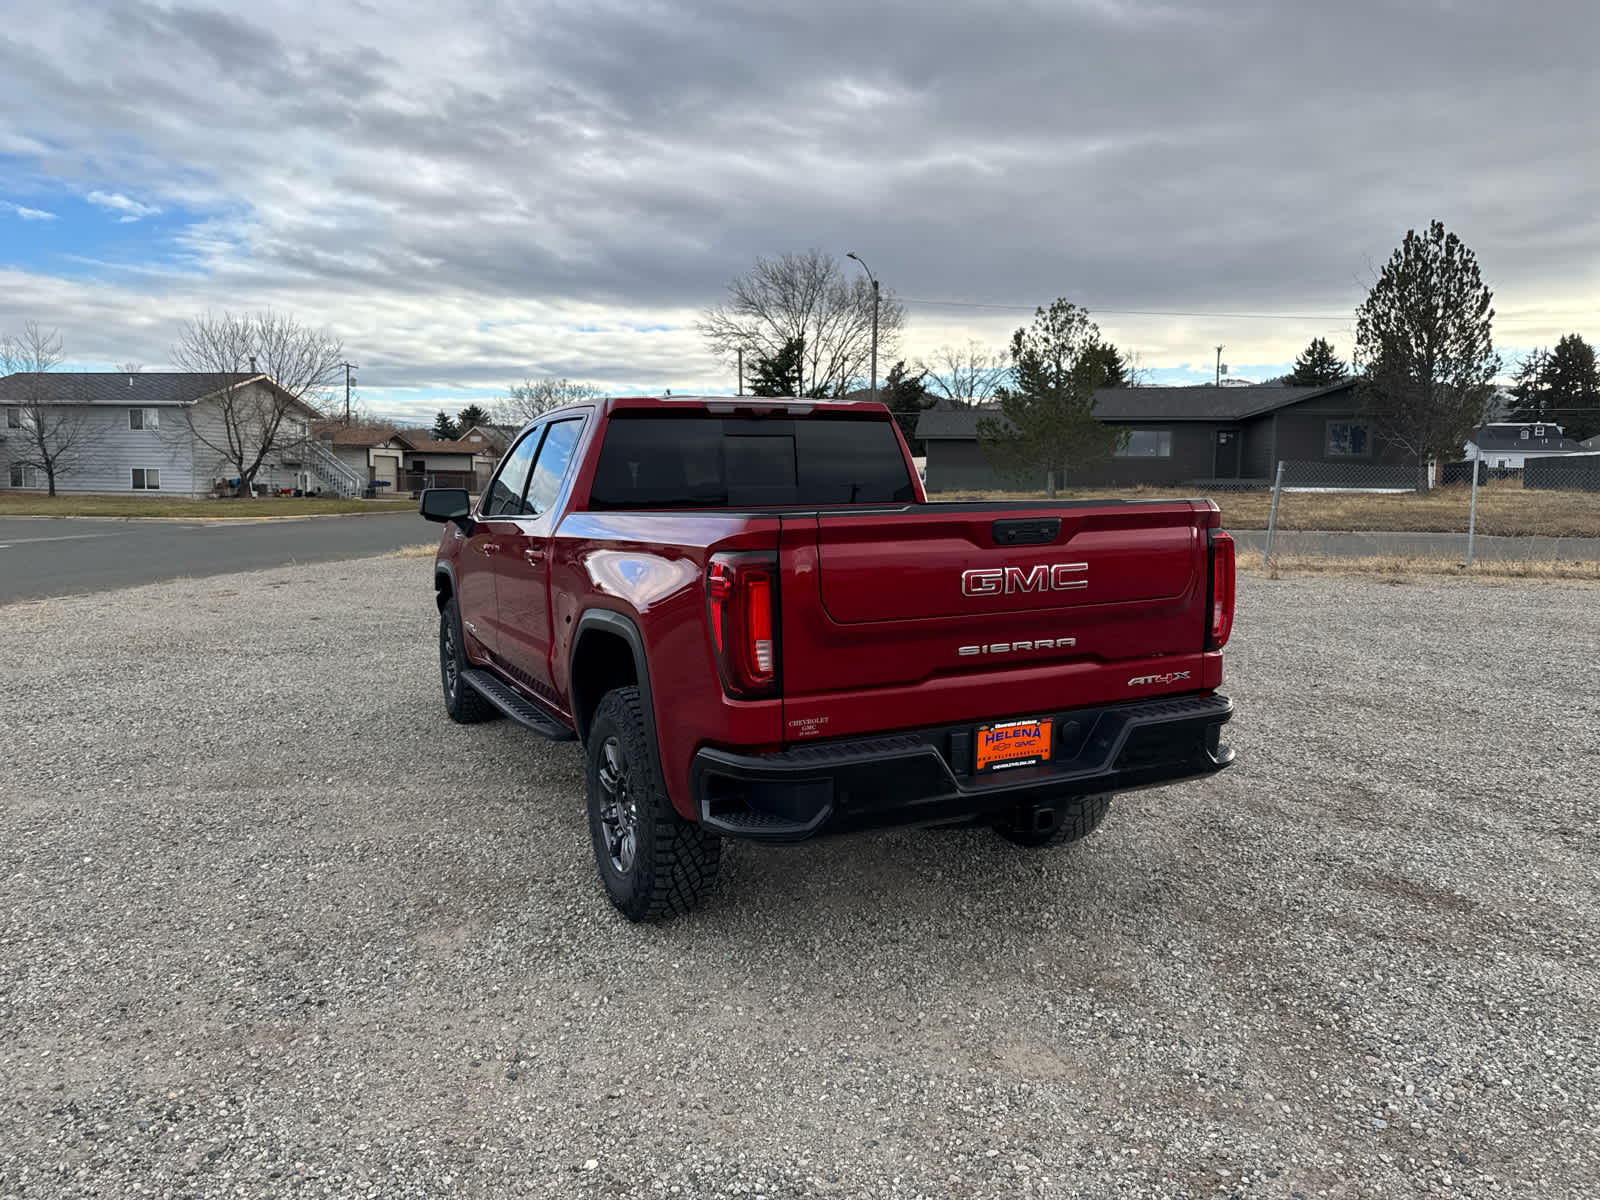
(59, 556)
(271, 925)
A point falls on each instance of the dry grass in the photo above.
(1505, 508)
(1395, 568)
(427, 550)
(25, 504)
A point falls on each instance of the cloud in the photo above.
(27, 214)
(131, 210)
(463, 193)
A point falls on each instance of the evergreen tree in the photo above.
(1424, 336)
(444, 429)
(1108, 360)
(1561, 386)
(1317, 366)
(1047, 420)
(907, 395)
(472, 414)
(779, 374)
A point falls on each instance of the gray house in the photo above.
(1507, 445)
(155, 432)
(1177, 436)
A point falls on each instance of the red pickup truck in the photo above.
(758, 627)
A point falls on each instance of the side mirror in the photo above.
(444, 504)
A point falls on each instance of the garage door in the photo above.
(386, 469)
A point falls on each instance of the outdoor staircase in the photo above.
(337, 475)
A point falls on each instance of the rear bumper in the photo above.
(926, 777)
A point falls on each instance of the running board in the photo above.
(517, 707)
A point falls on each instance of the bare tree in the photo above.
(130, 368)
(806, 299)
(51, 436)
(964, 375)
(247, 419)
(532, 397)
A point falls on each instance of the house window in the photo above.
(143, 418)
(1538, 431)
(24, 476)
(1147, 443)
(146, 479)
(1524, 434)
(13, 418)
(1346, 439)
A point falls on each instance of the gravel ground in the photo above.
(271, 926)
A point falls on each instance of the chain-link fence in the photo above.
(1545, 509)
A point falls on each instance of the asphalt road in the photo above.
(57, 556)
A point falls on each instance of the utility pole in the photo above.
(348, 367)
(1219, 366)
(874, 279)
(741, 370)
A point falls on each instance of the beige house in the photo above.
(373, 451)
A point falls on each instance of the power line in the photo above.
(1136, 312)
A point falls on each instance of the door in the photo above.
(386, 469)
(492, 534)
(522, 571)
(1225, 454)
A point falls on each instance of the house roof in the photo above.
(340, 434)
(500, 433)
(422, 441)
(142, 390)
(1507, 439)
(1129, 404)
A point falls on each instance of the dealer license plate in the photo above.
(1013, 744)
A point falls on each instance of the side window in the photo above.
(551, 469)
(505, 493)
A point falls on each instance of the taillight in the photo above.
(742, 603)
(1222, 590)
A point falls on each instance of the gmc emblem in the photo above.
(1046, 577)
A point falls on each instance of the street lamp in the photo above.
(874, 279)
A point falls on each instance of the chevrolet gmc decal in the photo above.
(1042, 577)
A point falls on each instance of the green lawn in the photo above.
(27, 504)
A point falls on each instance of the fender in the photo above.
(605, 620)
(441, 567)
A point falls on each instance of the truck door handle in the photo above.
(489, 549)
(533, 556)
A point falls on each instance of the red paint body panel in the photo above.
(877, 630)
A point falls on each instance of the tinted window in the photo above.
(505, 493)
(702, 459)
(551, 468)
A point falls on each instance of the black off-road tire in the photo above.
(671, 864)
(1080, 816)
(461, 700)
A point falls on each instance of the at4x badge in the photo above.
(1169, 677)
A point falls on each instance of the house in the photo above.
(1507, 445)
(157, 432)
(374, 452)
(491, 439)
(1179, 436)
(429, 462)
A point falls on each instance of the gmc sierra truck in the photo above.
(757, 626)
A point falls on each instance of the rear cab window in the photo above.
(698, 459)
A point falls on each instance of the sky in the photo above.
(474, 193)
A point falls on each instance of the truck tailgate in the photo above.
(931, 610)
